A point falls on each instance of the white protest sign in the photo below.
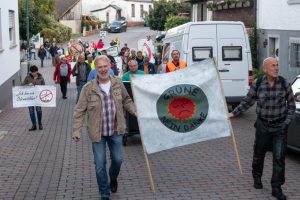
(148, 49)
(102, 34)
(39, 95)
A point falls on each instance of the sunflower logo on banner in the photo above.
(180, 108)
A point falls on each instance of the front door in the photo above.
(274, 47)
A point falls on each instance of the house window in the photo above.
(132, 10)
(142, 11)
(295, 54)
(293, 2)
(150, 8)
(12, 29)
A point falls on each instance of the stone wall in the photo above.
(244, 14)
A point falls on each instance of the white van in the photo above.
(227, 42)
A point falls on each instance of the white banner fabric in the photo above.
(181, 107)
(148, 49)
(39, 95)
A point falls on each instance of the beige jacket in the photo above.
(90, 103)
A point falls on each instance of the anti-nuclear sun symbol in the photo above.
(182, 108)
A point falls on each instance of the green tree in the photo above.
(42, 19)
(162, 9)
(33, 13)
(173, 21)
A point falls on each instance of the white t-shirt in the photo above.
(105, 87)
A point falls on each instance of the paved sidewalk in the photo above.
(48, 165)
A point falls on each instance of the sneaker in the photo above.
(40, 126)
(65, 97)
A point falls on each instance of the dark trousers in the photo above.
(42, 62)
(63, 85)
(266, 136)
(32, 114)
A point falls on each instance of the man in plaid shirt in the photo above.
(275, 110)
(103, 100)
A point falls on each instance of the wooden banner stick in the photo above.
(145, 154)
(231, 130)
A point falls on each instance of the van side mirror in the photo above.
(297, 97)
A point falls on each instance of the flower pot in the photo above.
(246, 4)
(238, 4)
(232, 5)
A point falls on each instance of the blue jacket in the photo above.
(93, 74)
(150, 66)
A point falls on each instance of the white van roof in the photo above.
(184, 27)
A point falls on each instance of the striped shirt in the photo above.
(273, 103)
(109, 113)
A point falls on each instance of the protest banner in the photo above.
(39, 95)
(180, 108)
(148, 49)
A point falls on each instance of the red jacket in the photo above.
(56, 76)
(100, 45)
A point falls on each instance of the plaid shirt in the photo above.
(273, 103)
(109, 114)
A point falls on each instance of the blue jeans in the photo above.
(32, 114)
(79, 88)
(116, 154)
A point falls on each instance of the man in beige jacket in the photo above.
(103, 100)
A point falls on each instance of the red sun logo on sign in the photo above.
(182, 108)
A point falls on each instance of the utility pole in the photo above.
(27, 33)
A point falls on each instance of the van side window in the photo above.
(232, 53)
(202, 53)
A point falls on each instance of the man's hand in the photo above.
(76, 138)
(230, 115)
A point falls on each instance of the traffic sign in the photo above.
(102, 34)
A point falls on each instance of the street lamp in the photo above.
(27, 33)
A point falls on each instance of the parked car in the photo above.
(117, 26)
(293, 140)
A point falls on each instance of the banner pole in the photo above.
(149, 171)
(145, 154)
(231, 130)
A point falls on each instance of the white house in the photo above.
(69, 13)
(109, 10)
(278, 31)
(9, 49)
